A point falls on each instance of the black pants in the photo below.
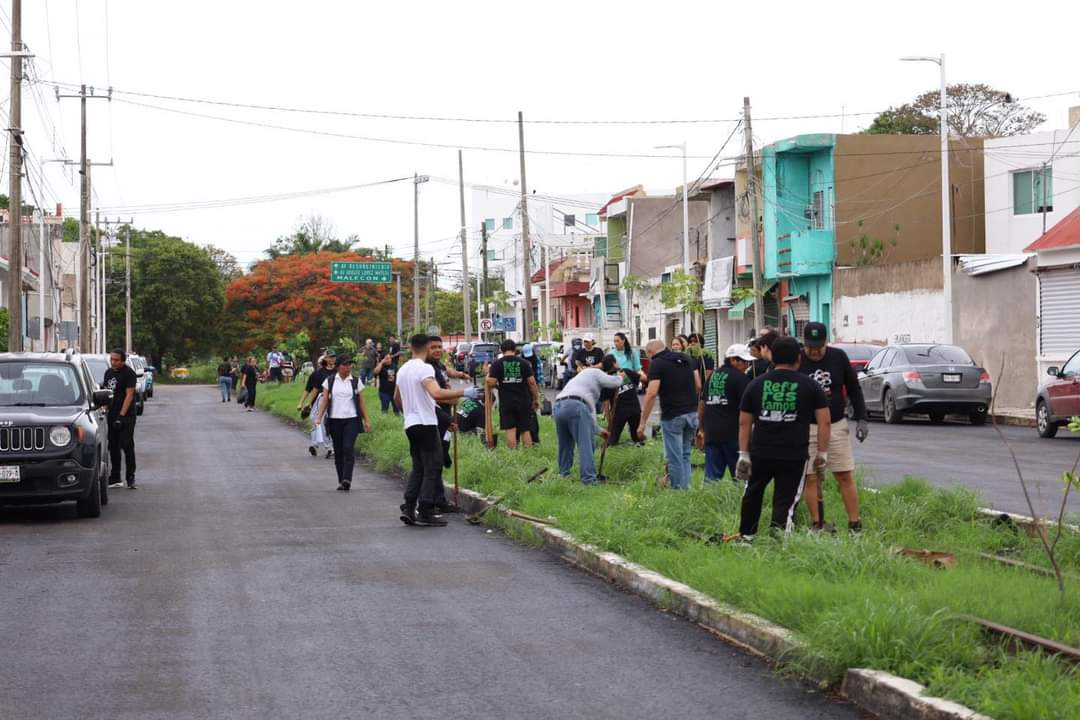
(623, 418)
(426, 450)
(788, 476)
(250, 402)
(122, 439)
(343, 433)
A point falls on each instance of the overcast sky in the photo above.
(554, 61)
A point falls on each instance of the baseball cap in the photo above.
(815, 335)
(589, 337)
(527, 350)
(343, 359)
(741, 351)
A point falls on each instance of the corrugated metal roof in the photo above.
(987, 263)
(1066, 233)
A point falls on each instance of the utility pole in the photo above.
(465, 301)
(526, 270)
(127, 290)
(397, 278)
(755, 240)
(417, 180)
(99, 285)
(15, 256)
(41, 280)
(483, 264)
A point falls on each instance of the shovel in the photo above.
(600, 477)
(456, 503)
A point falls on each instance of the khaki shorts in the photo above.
(841, 458)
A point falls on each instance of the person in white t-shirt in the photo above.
(343, 402)
(416, 393)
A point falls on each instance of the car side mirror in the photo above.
(102, 398)
(861, 374)
(1053, 371)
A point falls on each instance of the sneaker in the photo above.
(251, 409)
(346, 485)
(855, 527)
(408, 514)
(311, 449)
(131, 485)
(430, 519)
(823, 527)
(445, 506)
(115, 482)
(329, 454)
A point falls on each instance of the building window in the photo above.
(489, 224)
(508, 223)
(652, 333)
(817, 211)
(1033, 191)
(592, 219)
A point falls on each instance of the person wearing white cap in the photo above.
(718, 412)
(589, 355)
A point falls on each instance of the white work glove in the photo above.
(862, 429)
(473, 393)
(743, 467)
(820, 463)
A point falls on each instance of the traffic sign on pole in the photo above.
(360, 272)
(486, 325)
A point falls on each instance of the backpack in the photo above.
(356, 397)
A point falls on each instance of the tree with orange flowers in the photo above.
(291, 293)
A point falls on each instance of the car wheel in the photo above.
(104, 481)
(139, 408)
(90, 506)
(1046, 428)
(849, 411)
(888, 407)
(937, 417)
(978, 418)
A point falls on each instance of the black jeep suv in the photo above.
(53, 432)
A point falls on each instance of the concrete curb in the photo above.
(885, 695)
(894, 698)
(1017, 420)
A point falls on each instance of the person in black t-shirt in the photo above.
(588, 356)
(627, 408)
(249, 381)
(519, 397)
(122, 381)
(470, 416)
(673, 380)
(385, 372)
(309, 405)
(718, 413)
(831, 369)
(777, 411)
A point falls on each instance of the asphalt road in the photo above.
(957, 453)
(236, 583)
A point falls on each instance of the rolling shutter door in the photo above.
(1059, 311)
(710, 332)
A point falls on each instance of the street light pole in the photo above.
(946, 195)
(417, 180)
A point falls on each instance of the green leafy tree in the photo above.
(177, 297)
(313, 235)
(449, 313)
(682, 291)
(3, 329)
(975, 110)
(298, 346)
(226, 262)
(869, 250)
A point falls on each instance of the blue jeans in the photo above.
(719, 457)
(387, 402)
(575, 427)
(678, 441)
(225, 386)
(365, 375)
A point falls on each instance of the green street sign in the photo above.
(361, 272)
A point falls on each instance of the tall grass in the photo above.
(851, 598)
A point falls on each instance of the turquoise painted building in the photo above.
(799, 225)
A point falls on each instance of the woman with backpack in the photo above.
(346, 417)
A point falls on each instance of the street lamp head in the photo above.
(421, 179)
(921, 58)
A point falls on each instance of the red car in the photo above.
(1059, 398)
(858, 353)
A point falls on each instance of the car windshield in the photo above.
(937, 355)
(97, 366)
(38, 383)
(484, 348)
(859, 352)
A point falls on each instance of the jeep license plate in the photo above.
(10, 474)
(946, 377)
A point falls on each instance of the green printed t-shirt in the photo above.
(783, 404)
(512, 374)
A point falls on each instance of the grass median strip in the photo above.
(852, 600)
